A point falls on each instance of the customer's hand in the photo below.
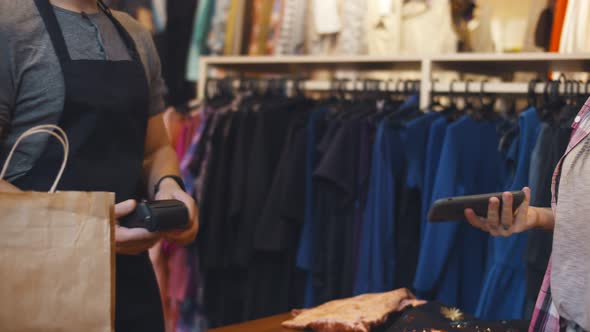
(505, 222)
(169, 189)
(132, 241)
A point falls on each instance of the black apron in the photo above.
(105, 117)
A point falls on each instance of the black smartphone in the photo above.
(156, 216)
(452, 208)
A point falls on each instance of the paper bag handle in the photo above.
(47, 129)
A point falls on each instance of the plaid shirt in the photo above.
(546, 317)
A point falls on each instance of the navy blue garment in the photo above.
(453, 257)
(367, 137)
(436, 137)
(551, 145)
(305, 251)
(376, 247)
(414, 137)
(503, 293)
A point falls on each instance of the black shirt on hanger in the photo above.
(336, 190)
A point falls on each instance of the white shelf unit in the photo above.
(503, 65)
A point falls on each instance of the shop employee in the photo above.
(96, 74)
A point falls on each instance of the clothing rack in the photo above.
(426, 68)
(459, 87)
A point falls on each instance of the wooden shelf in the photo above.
(304, 65)
(306, 59)
(503, 57)
(508, 63)
(359, 59)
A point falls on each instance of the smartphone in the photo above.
(452, 208)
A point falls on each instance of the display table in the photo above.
(429, 315)
(269, 324)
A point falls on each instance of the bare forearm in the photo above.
(7, 187)
(543, 217)
(160, 163)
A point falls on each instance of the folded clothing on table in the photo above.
(393, 312)
(356, 314)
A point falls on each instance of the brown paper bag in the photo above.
(57, 259)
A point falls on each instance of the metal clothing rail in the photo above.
(334, 85)
(456, 87)
(503, 65)
(502, 87)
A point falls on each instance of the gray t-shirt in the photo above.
(570, 268)
(31, 82)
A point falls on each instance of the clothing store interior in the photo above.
(313, 144)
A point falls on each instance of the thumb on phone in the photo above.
(124, 208)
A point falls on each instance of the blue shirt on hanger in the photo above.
(398, 155)
(452, 259)
(433, 149)
(504, 289)
(305, 251)
(414, 137)
(377, 227)
(376, 258)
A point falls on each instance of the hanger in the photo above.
(568, 93)
(414, 90)
(468, 105)
(403, 114)
(573, 89)
(348, 109)
(531, 95)
(207, 83)
(336, 100)
(554, 101)
(507, 128)
(298, 89)
(371, 87)
(578, 96)
(365, 104)
(469, 108)
(564, 105)
(434, 104)
(452, 112)
(571, 92)
(396, 94)
(212, 90)
(417, 87)
(583, 96)
(412, 87)
(487, 109)
(563, 99)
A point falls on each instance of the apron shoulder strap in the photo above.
(127, 39)
(54, 30)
